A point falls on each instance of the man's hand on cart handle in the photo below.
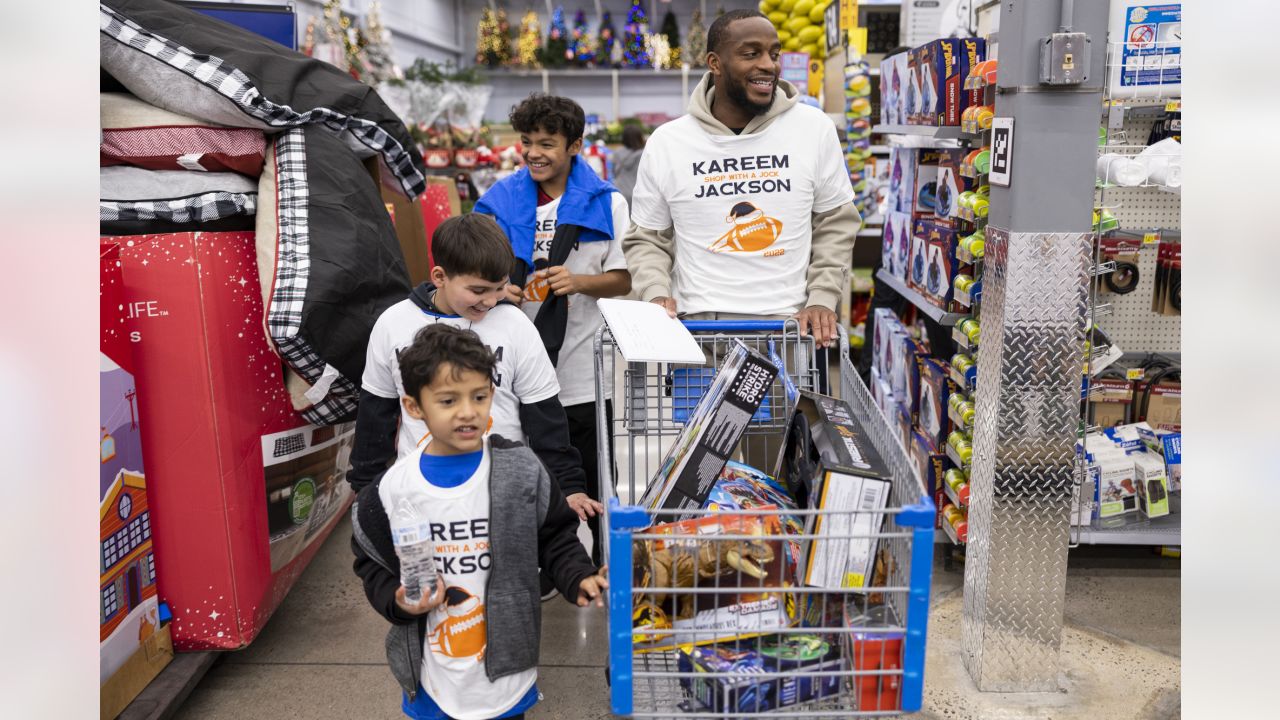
(819, 322)
(426, 603)
(593, 588)
(668, 303)
(584, 506)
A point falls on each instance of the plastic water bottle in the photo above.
(411, 534)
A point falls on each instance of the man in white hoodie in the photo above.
(743, 208)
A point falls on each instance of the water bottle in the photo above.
(411, 534)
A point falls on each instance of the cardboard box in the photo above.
(851, 480)
(154, 651)
(801, 656)
(915, 96)
(1164, 407)
(896, 244)
(904, 373)
(710, 435)
(1116, 491)
(924, 199)
(950, 184)
(1109, 398)
(930, 462)
(936, 388)
(1168, 445)
(899, 79)
(1153, 485)
(127, 603)
(906, 423)
(934, 264)
(902, 179)
(889, 93)
(243, 491)
(944, 65)
(886, 324)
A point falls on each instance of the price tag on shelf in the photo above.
(1135, 374)
(1173, 106)
(1150, 238)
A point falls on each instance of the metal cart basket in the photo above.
(706, 618)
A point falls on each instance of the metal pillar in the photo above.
(1030, 357)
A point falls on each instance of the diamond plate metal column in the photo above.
(1030, 357)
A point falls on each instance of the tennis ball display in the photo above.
(802, 7)
(787, 6)
(966, 198)
(796, 24)
(977, 247)
(811, 34)
(817, 13)
(777, 17)
(980, 206)
(965, 453)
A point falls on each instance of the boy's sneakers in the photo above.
(548, 588)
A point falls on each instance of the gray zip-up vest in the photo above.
(513, 612)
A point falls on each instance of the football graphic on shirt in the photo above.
(462, 633)
(536, 289)
(752, 230)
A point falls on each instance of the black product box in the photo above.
(846, 476)
(711, 432)
(744, 692)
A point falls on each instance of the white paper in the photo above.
(644, 332)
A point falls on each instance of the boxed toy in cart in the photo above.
(748, 689)
(693, 557)
(711, 431)
(742, 487)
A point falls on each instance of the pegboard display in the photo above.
(1132, 325)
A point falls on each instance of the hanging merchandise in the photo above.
(671, 32)
(530, 41)
(635, 48)
(556, 52)
(608, 42)
(493, 39)
(694, 52)
(581, 44)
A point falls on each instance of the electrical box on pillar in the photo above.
(1064, 55)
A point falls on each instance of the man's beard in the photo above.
(736, 89)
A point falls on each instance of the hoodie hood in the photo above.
(784, 98)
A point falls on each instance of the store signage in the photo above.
(832, 20)
(795, 68)
(1001, 150)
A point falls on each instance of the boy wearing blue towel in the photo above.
(565, 225)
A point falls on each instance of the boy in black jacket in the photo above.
(470, 649)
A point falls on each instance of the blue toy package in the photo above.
(797, 655)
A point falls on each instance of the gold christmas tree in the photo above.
(493, 42)
(530, 40)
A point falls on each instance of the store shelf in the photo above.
(955, 458)
(959, 421)
(963, 344)
(1137, 531)
(967, 382)
(950, 532)
(930, 131)
(936, 313)
(951, 495)
(592, 72)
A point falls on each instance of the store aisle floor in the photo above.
(320, 657)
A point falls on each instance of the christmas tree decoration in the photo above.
(634, 46)
(694, 52)
(309, 39)
(670, 31)
(556, 52)
(608, 42)
(530, 40)
(377, 48)
(344, 39)
(659, 50)
(581, 44)
(493, 39)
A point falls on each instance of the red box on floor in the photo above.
(242, 488)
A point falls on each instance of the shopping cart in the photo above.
(806, 651)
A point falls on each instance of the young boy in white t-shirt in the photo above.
(473, 261)
(565, 225)
(470, 649)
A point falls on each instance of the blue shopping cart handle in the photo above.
(734, 325)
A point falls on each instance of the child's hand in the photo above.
(560, 280)
(515, 294)
(593, 588)
(426, 603)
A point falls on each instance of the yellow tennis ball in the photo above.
(787, 6)
(777, 17)
(792, 44)
(802, 7)
(784, 36)
(817, 13)
(810, 34)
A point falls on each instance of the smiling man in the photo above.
(743, 207)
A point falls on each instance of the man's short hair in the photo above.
(440, 344)
(552, 114)
(472, 244)
(720, 28)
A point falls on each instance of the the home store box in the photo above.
(130, 626)
(243, 490)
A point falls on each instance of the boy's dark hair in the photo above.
(472, 244)
(439, 344)
(720, 27)
(552, 114)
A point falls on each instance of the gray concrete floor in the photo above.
(321, 654)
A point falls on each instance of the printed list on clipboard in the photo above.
(644, 332)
